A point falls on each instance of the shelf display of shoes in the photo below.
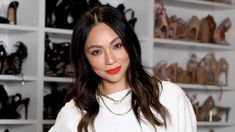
(193, 45)
(204, 30)
(206, 71)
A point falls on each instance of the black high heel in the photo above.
(62, 12)
(10, 106)
(11, 13)
(23, 103)
(4, 20)
(132, 20)
(51, 108)
(3, 56)
(130, 17)
(16, 58)
(3, 99)
(50, 10)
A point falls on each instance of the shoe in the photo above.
(10, 106)
(50, 9)
(220, 33)
(129, 14)
(132, 20)
(3, 100)
(161, 25)
(220, 112)
(3, 20)
(12, 12)
(211, 69)
(51, 108)
(3, 56)
(207, 29)
(205, 109)
(192, 31)
(69, 70)
(63, 14)
(16, 59)
(192, 66)
(121, 7)
(201, 72)
(160, 70)
(172, 72)
(17, 103)
(222, 68)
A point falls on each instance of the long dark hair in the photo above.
(146, 89)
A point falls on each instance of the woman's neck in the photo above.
(107, 88)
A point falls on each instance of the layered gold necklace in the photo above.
(115, 102)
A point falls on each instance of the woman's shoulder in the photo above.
(68, 118)
(171, 91)
(70, 109)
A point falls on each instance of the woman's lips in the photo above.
(114, 70)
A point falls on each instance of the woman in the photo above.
(112, 91)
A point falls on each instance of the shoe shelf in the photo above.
(17, 78)
(48, 122)
(17, 122)
(198, 4)
(17, 28)
(58, 79)
(179, 44)
(204, 87)
(214, 124)
(58, 31)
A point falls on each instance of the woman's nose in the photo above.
(109, 58)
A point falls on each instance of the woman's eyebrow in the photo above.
(93, 46)
(114, 40)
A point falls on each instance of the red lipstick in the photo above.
(114, 70)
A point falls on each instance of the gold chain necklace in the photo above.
(117, 101)
(118, 114)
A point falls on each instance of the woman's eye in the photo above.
(95, 52)
(117, 46)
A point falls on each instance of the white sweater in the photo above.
(172, 97)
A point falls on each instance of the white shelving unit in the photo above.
(31, 30)
(180, 51)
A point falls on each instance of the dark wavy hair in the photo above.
(145, 88)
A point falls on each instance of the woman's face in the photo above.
(106, 54)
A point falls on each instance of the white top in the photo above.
(172, 97)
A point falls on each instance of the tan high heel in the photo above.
(192, 67)
(161, 22)
(201, 72)
(222, 68)
(192, 30)
(220, 33)
(173, 25)
(172, 72)
(204, 110)
(207, 29)
(160, 70)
